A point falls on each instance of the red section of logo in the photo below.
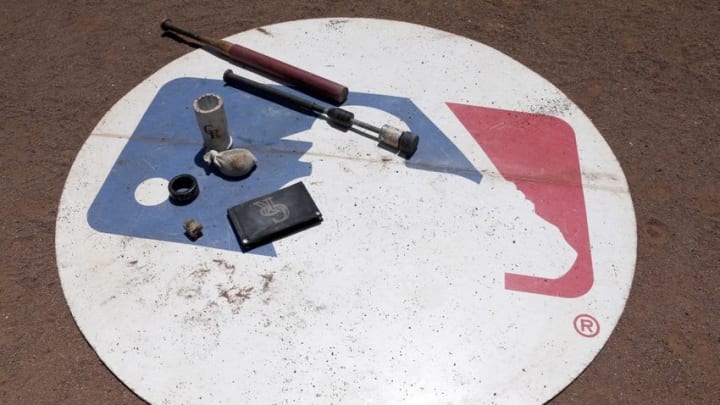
(539, 154)
(586, 325)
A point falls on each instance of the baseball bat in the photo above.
(304, 81)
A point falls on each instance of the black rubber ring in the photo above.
(183, 189)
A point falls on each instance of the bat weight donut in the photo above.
(183, 189)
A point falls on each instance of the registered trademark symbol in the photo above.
(586, 325)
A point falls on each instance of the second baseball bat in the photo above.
(303, 80)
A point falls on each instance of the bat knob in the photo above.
(165, 25)
(408, 143)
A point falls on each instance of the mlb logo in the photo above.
(536, 152)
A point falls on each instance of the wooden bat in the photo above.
(303, 80)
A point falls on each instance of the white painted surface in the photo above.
(152, 191)
(374, 305)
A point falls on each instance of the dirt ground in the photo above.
(646, 72)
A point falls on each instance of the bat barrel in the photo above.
(295, 77)
(271, 93)
(290, 75)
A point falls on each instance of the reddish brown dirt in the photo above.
(646, 72)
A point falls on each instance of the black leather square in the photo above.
(273, 216)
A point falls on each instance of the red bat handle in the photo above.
(302, 80)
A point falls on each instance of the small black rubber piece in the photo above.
(408, 143)
(183, 189)
(341, 118)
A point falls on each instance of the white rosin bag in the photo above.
(232, 162)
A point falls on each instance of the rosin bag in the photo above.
(232, 162)
(274, 216)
